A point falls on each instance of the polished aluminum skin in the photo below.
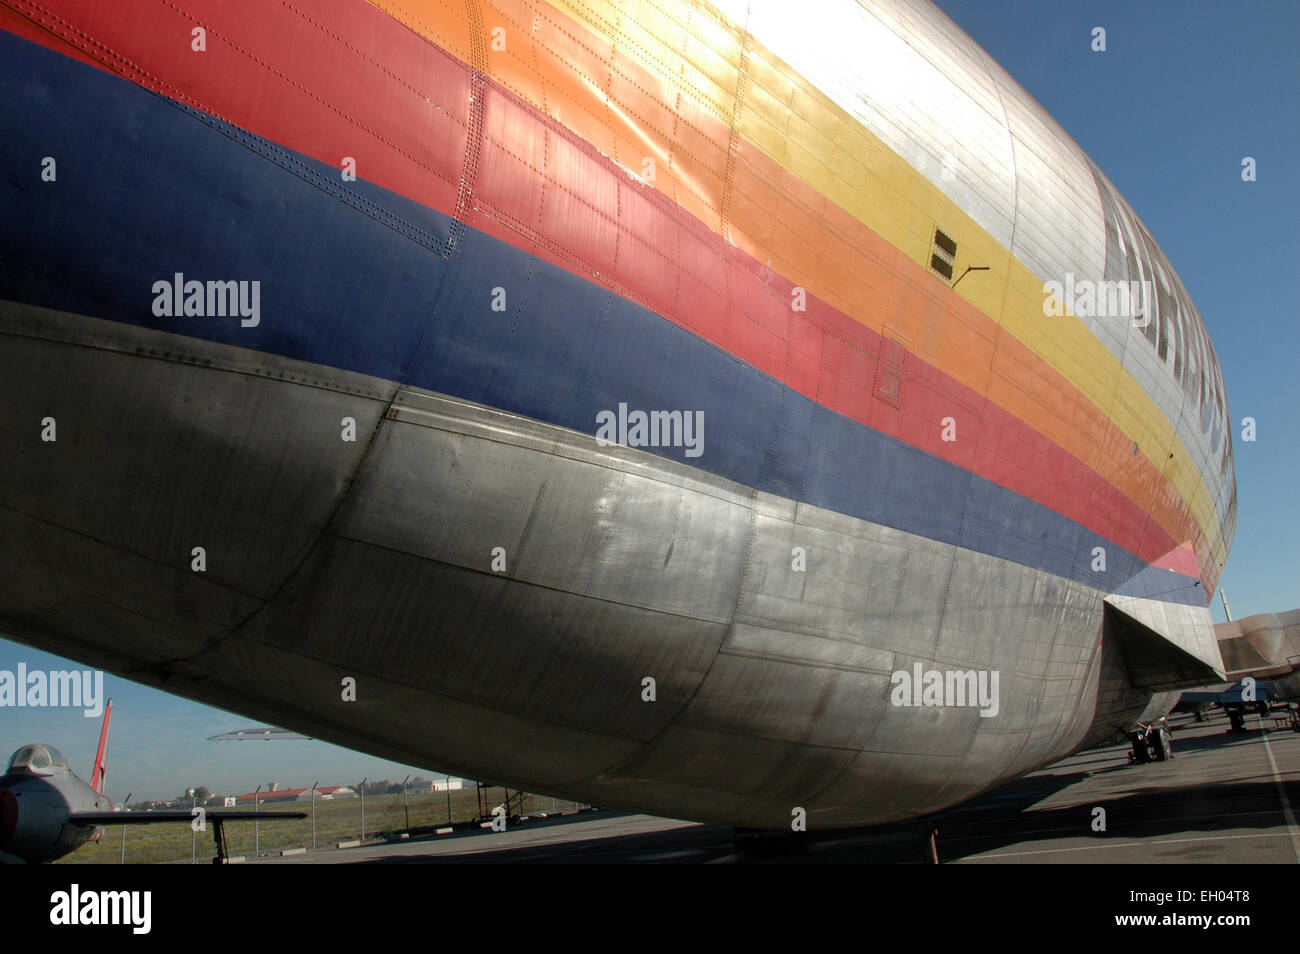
(475, 592)
(373, 562)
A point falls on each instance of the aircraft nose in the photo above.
(8, 816)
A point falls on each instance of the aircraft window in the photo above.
(38, 758)
(20, 758)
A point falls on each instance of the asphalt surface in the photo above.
(1224, 798)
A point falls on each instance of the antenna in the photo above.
(99, 771)
(969, 269)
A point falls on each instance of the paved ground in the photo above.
(1224, 798)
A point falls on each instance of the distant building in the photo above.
(423, 786)
(266, 798)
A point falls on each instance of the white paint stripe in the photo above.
(1281, 794)
(1112, 844)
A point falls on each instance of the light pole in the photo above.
(406, 808)
(257, 834)
(448, 782)
(363, 808)
(193, 834)
(313, 813)
(126, 807)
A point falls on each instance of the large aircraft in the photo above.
(1261, 657)
(729, 411)
(47, 811)
(1265, 646)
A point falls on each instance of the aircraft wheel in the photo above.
(1163, 744)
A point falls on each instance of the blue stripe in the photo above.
(356, 277)
(1157, 583)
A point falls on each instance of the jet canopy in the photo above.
(37, 759)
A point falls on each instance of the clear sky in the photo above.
(1182, 94)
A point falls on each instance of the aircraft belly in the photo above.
(162, 444)
(374, 560)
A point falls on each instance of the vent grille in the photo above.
(888, 385)
(943, 254)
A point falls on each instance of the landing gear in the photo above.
(219, 837)
(1236, 717)
(1151, 743)
(1163, 744)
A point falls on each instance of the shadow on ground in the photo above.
(1000, 818)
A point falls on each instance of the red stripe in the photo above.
(345, 79)
(1181, 560)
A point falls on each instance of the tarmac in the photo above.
(1225, 798)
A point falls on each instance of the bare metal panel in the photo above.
(773, 684)
(921, 96)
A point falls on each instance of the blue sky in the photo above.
(1182, 93)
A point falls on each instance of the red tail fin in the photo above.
(98, 773)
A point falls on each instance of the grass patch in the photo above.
(336, 820)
